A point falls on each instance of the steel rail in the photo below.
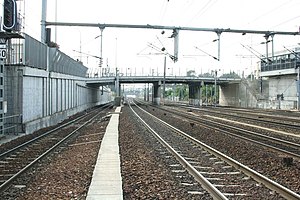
(265, 113)
(8, 182)
(283, 191)
(247, 132)
(216, 194)
(243, 111)
(294, 126)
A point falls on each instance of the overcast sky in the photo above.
(129, 50)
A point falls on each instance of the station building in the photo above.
(281, 71)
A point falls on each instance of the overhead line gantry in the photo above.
(148, 26)
(176, 30)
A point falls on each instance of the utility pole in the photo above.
(216, 71)
(43, 21)
(101, 46)
(219, 45)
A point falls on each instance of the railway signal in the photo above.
(9, 15)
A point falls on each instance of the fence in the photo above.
(32, 53)
(12, 124)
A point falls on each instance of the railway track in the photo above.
(289, 149)
(220, 175)
(16, 161)
(286, 123)
(263, 113)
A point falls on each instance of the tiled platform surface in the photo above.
(107, 182)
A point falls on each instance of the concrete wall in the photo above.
(229, 95)
(286, 85)
(246, 94)
(46, 98)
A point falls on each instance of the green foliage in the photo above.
(191, 73)
(230, 75)
(180, 91)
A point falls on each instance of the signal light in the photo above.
(100, 62)
(9, 15)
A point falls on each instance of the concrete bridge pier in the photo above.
(118, 98)
(156, 93)
(195, 97)
(146, 93)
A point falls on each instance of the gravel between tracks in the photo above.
(265, 161)
(146, 173)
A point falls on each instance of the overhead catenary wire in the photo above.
(163, 11)
(204, 9)
(254, 53)
(207, 53)
(162, 50)
(260, 54)
(293, 52)
(271, 11)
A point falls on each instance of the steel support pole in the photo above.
(164, 81)
(298, 88)
(43, 21)
(219, 46)
(267, 51)
(206, 95)
(216, 71)
(272, 48)
(101, 49)
(215, 93)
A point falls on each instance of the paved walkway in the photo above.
(107, 182)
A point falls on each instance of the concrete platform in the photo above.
(107, 181)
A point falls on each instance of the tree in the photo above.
(230, 75)
(191, 73)
(181, 91)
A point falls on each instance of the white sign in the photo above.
(2, 53)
